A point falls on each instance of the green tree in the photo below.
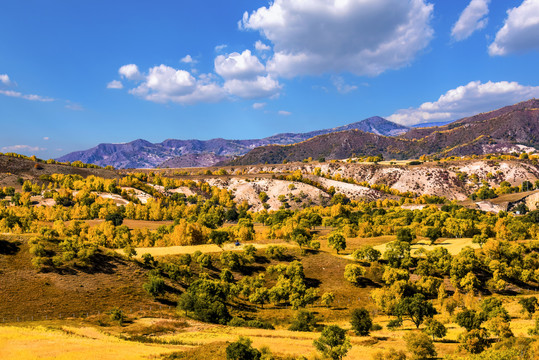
(529, 305)
(417, 308)
(333, 342)
(474, 341)
(470, 319)
(327, 299)
(361, 322)
(420, 345)
(304, 321)
(405, 234)
(219, 237)
(435, 328)
(353, 273)
(242, 350)
(337, 241)
(155, 285)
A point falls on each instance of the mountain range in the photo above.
(512, 128)
(191, 153)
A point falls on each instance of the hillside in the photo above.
(13, 168)
(513, 128)
(173, 153)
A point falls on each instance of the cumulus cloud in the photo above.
(30, 97)
(258, 106)
(520, 31)
(258, 87)
(470, 99)
(260, 46)
(130, 72)
(45, 138)
(115, 84)
(472, 18)
(187, 59)
(284, 113)
(341, 85)
(4, 79)
(19, 148)
(238, 66)
(245, 76)
(165, 84)
(364, 37)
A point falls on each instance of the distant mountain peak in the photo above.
(144, 154)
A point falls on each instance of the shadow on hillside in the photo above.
(9, 248)
(102, 264)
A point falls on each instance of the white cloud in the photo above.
(115, 84)
(187, 59)
(164, 84)
(245, 76)
(341, 85)
(220, 48)
(238, 66)
(473, 18)
(284, 113)
(520, 31)
(260, 46)
(130, 72)
(4, 79)
(30, 97)
(45, 138)
(259, 87)
(17, 148)
(258, 106)
(470, 99)
(364, 37)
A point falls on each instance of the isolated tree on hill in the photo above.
(417, 308)
(333, 342)
(435, 328)
(353, 273)
(337, 241)
(361, 322)
(327, 299)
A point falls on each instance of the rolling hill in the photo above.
(512, 128)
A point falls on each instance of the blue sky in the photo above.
(77, 73)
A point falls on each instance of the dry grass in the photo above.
(42, 343)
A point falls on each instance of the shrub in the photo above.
(474, 341)
(361, 322)
(242, 350)
(155, 286)
(420, 345)
(304, 321)
(118, 316)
